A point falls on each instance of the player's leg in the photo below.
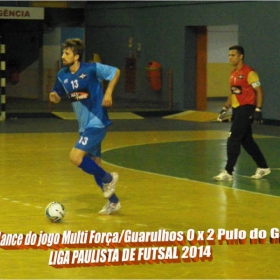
(237, 131)
(79, 158)
(113, 203)
(240, 127)
(98, 180)
(252, 148)
(90, 142)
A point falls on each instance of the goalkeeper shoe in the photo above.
(260, 172)
(223, 176)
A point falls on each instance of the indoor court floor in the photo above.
(166, 166)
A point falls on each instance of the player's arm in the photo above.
(57, 91)
(257, 116)
(253, 80)
(228, 102)
(54, 97)
(259, 96)
(223, 112)
(107, 99)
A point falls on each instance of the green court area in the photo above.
(200, 160)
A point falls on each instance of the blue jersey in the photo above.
(85, 92)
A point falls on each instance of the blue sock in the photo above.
(100, 176)
(107, 178)
(98, 181)
(114, 199)
(90, 167)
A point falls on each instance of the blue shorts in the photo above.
(90, 141)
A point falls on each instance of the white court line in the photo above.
(38, 207)
(186, 179)
(81, 215)
(179, 178)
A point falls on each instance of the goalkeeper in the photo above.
(246, 99)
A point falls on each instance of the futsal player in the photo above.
(81, 82)
(246, 100)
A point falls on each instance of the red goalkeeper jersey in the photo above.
(242, 84)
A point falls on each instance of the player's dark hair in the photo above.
(76, 45)
(239, 49)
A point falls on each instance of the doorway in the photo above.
(195, 68)
(206, 65)
(220, 38)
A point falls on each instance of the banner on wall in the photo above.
(22, 13)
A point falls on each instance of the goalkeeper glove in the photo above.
(257, 116)
(222, 114)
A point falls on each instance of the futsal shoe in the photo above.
(109, 208)
(109, 189)
(223, 176)
(260, 172)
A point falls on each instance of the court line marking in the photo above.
(36, 206)
(20, 202)
(186, 179)
(41, 207)
(155, 141)
(163, 175)
(190, 180)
